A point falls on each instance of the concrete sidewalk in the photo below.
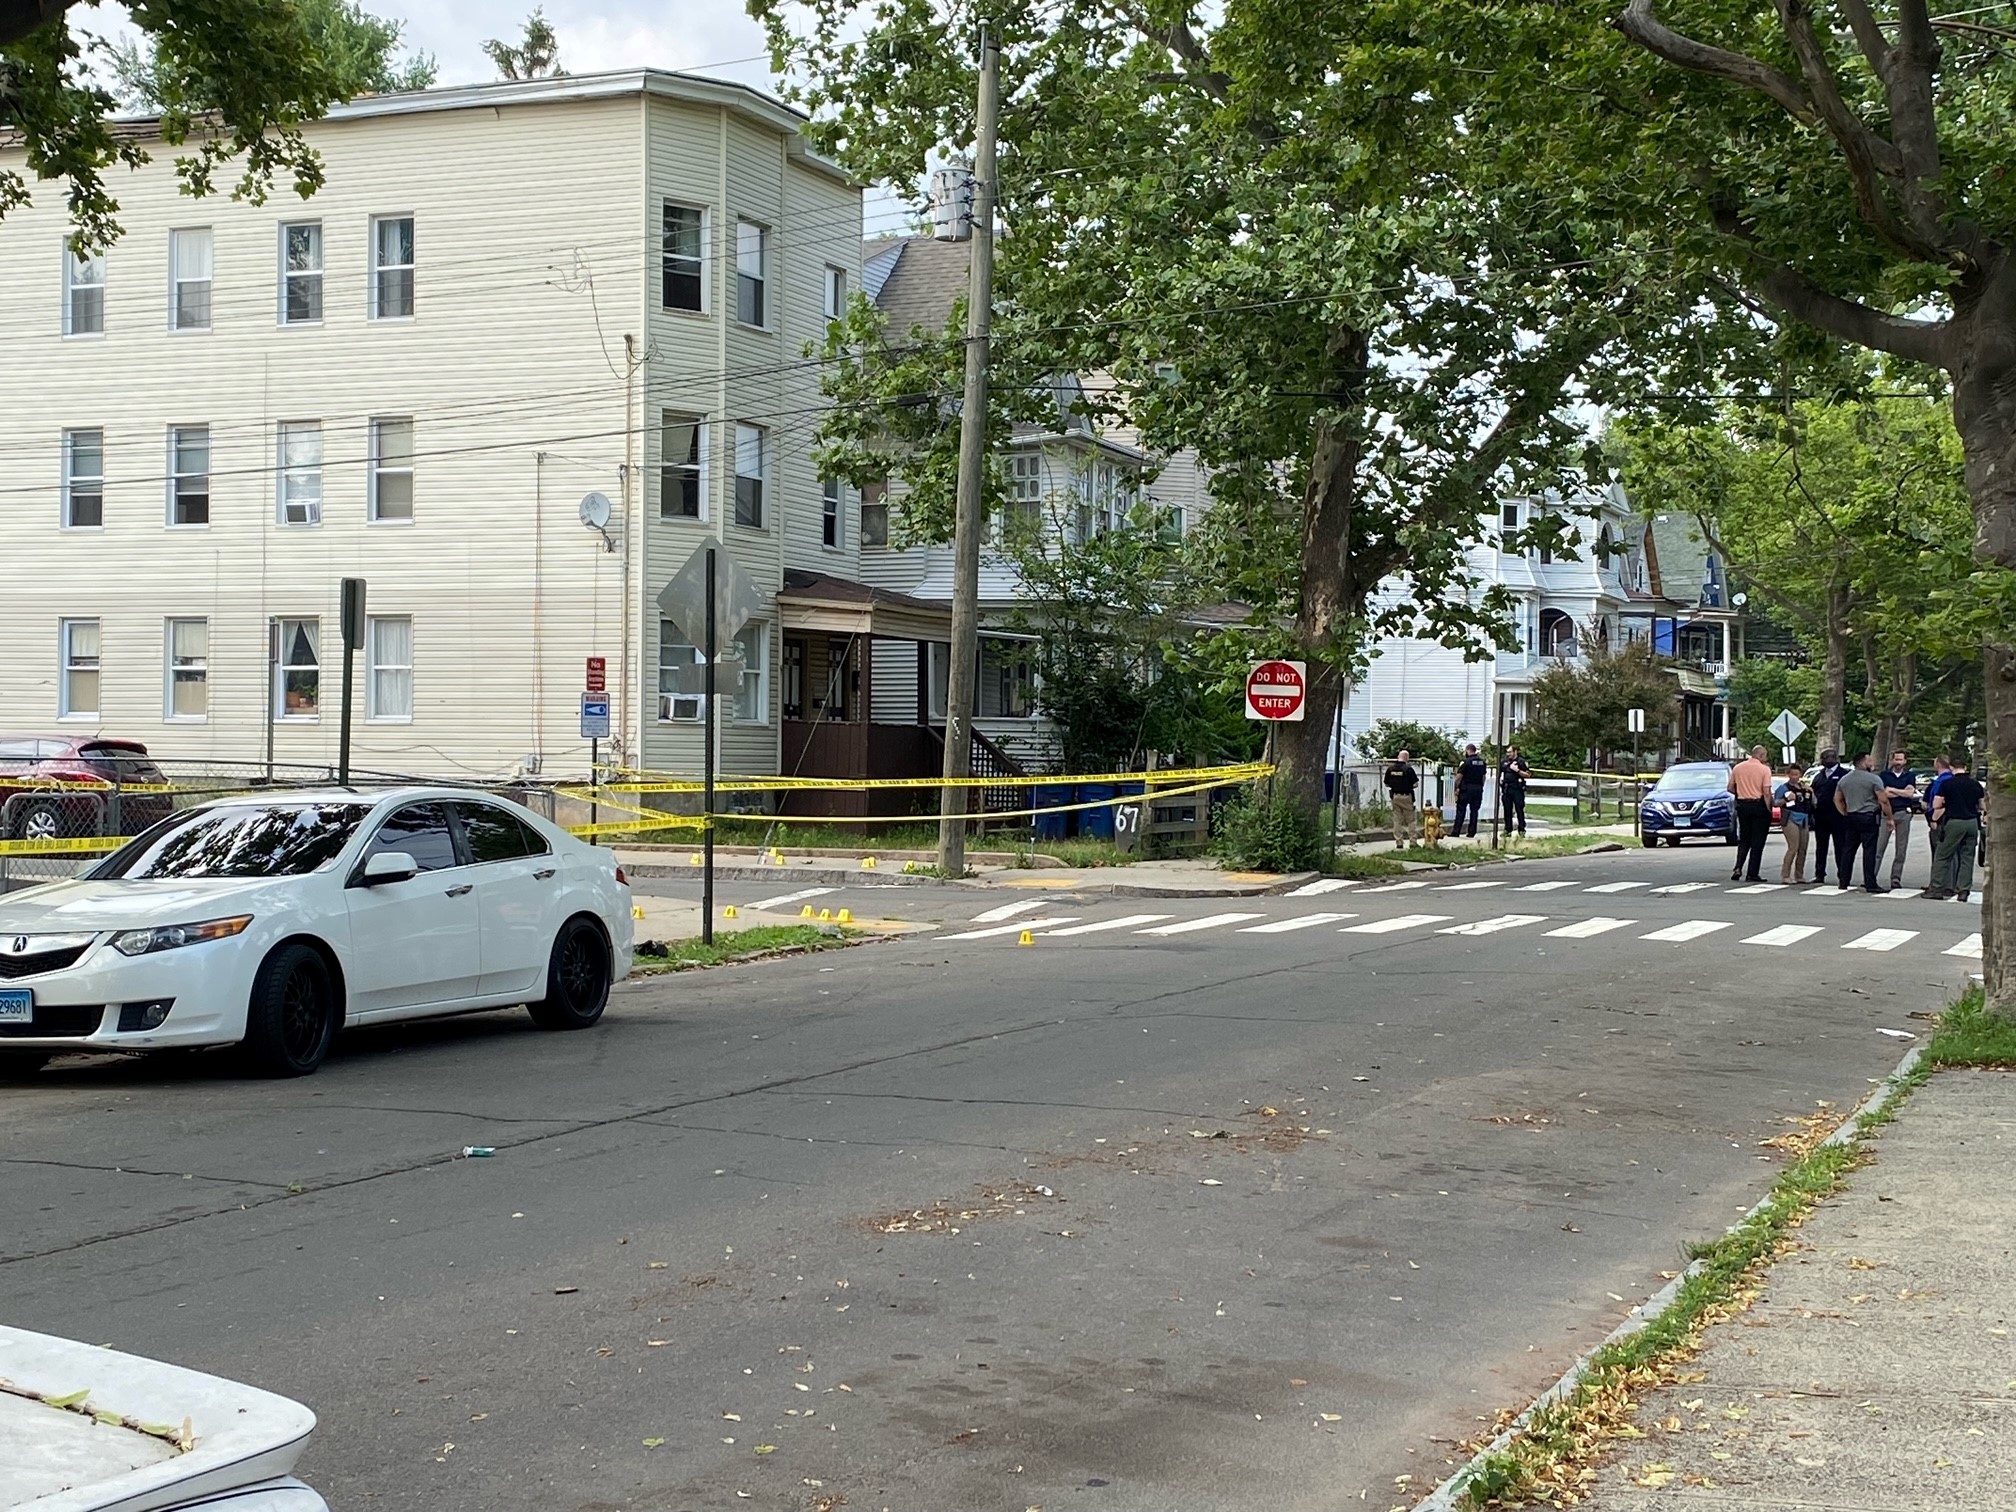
(1878, 1371)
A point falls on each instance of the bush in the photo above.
(1254, 834)
(1389, 737)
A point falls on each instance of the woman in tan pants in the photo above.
(1795, 798)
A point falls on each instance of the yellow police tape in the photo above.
(630, 780)
(87, 845)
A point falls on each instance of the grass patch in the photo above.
(1075, 852)
(1552, 1458)
(1351, 864)
(746, 944)
(1968, 1035)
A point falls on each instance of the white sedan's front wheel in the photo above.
(291, 1020)
(577, 978)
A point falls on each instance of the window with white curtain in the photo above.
(188, 693)
(83, 294)
(301, 273)
(300, 472)
(297, 669)
(189, 274)
(392, 267)
(388, 647)
(79, 648)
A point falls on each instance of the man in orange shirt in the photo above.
(1751, 783)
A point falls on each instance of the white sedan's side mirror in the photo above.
(390, 866)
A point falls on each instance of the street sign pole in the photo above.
(1637, 721)
(353, 637)
(707, 800)
(594, 786)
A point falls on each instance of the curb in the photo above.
(780, 874)
(1446, 1497)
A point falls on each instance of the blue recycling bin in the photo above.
(1095, 823)
(1053, 795)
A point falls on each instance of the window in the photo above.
(392, 470)
(188, 669)
(80, 669)
(753, 707)
(1025, 491)
(301, 273)
(301, 472)
(680, 490)
(286, 840)
(496, 834)
(419, 830)
(839, 679)
(189, 278)
(752, 245)
(392, 268)
(1508, 517)
(875, 514)
(83, 294)
(1006, 675)
(685, 258)
(189, 475)
(834, 290)
(831, 493)
(388, 653)
(297, 671)
(674, 653)
(750, 444)
(83, 479)
(1170, 522)
(791, 667)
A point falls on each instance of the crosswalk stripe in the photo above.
(1129, 922)
(1303, 921)
(1320, 886)
(1615, 887)
(1971, 946)
(1784, 934)
(1466, 886)
(1826, 890)
(795, 897)
(1760, 887)
(1009, 910)
(1209, 921)
(1693, 929)
(1016, 927)
(1543, 887)
(1882, 939)
(1493, 926)
(1398, 922)
(1587, 929)
(1679, 887)
(1391, 887)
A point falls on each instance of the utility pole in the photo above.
(970, 518)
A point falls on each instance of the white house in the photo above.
(505, 298)
(1614, 589)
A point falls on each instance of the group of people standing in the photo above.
(1859, 811)
(1403, 786)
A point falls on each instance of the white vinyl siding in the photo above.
(301, 273)
(392, 267)
(297, 669)
(189, 475)
(388, 649)
(77, 644)
(83, 480)
(83, 294)
(189, 273)
(752, 249)
(392, 470)
(187, 695)
(300, 464)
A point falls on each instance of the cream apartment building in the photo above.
(505, 298)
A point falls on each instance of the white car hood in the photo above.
(65, 907)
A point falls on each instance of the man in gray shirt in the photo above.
(1864, 808)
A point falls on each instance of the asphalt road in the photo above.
(958, 1223)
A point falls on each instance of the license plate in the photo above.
(1681, 821)
(17, 1006)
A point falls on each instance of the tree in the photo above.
(1277, 239)
(358, 47)
(535, 57)
(1583, 710)
(1839, 166)
(254, 76)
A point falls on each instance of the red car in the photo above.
(63, 787)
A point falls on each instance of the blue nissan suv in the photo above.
(1689, 801)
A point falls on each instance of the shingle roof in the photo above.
(927, 280)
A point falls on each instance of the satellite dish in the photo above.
(1740, 600)
(595, 512)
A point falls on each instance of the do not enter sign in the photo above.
(1276, 690)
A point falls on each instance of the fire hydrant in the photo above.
(1431, 828)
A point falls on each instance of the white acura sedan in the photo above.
(271, 922)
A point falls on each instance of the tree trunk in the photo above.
(1329, 594)
(1984, 411)
(1834, 672)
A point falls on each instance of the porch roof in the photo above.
(841, 606)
